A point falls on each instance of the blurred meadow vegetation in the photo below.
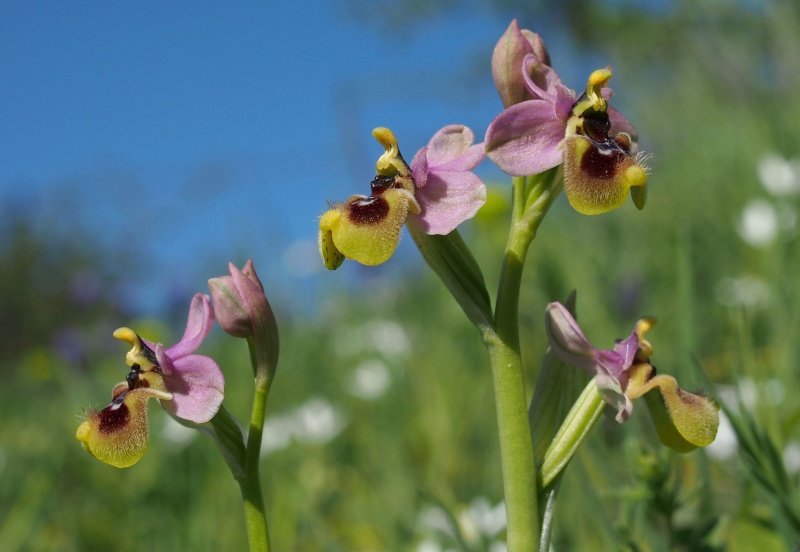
(380, 427)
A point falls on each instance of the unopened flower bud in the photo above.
(238, 299)
(508, 61)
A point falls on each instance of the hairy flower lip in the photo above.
(367, 228)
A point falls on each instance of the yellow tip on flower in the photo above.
(331, 256)
(386, 137)
(642, 327)
(127, 335)
(597, 80)
(635, 176)
(386, 163)
(140, 353)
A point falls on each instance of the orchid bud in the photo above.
(239, 299)
(507, 63)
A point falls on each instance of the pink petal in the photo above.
(626, 349)
(448, 144)
(201, 319)
(419, 167)
(612, 393)
(551, 79)
(565, 99)
(567, 339)
(449, 199)
(252, 294)
(523, 139)
(466, 161)
(197, 386)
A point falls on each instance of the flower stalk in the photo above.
(250, 484)
(245, 312)
(532, 197)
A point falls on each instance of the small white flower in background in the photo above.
(316, 421)
(791, 457)
(370, 380)
(390, 338)
(429, 545)
(436, 518)
(745, 291)
(277, 434)
(779, 176)
(725, 445)
(489, 520)
(177, 434)
(479, 519)
(758, 224)
(381, 335)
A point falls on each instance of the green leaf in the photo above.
(453, 262)
(557, 388)
(225, 431)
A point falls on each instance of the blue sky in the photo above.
(196, 133)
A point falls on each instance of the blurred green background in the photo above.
(381, 429)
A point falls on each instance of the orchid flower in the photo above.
(594, 141)
(439, 191)
(683, 420)
(190, 386)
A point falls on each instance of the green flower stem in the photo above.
(531, 200)
(516, 451)
(250, 484)
(577, 425)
